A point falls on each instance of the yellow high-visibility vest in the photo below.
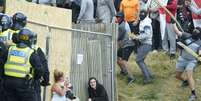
(18, 64)
(6, 35)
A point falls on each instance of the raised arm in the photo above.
(177, 31)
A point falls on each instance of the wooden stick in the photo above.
(189, 50)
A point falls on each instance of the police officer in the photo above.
(6, 33)
(5, 37)
(21, 67)
(44, 81)
(19, 22)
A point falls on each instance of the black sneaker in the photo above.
(152, 77)
(124, 73)
(184, 83)
(192, 97)
(131, 80)
(172, 56)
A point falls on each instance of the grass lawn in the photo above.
(164, 88)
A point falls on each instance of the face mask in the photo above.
(5, 24)
(15, 38)
(143, 15)
(119, 20)
(17, 26)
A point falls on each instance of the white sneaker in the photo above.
(192, 98)
(154, 51)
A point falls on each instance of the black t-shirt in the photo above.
(185, 36)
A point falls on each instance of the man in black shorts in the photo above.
(126, 46)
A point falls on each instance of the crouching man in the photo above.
(186, 62)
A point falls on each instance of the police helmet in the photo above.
(25, 36)
(19, 20)
(143, 14)
(6, 22)
(15, 38)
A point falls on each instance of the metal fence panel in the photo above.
(99, 55)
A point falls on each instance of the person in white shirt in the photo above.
(145, 39)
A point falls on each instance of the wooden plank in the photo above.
(40, 13)
(189, 50)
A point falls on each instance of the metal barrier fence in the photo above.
(93, 54)
(56, 42)
(84, 51)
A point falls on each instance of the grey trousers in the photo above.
(142, 52)
(169, 40)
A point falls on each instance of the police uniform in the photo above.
(14, 36)
(21, 67)
(5, 41)
(45, 76)
(6, 36)
(3, 49)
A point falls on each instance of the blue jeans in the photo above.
(142, 52)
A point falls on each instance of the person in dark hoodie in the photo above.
(19, 21)
(96, 91)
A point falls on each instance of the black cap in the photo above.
(120, 14)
